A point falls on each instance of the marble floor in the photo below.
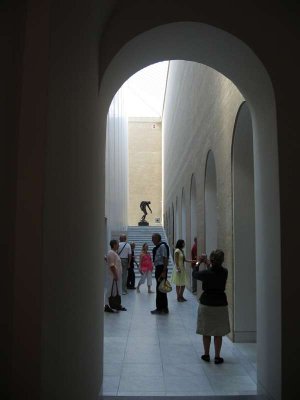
(159, 355)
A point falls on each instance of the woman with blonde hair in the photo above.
(179, 275)
(146, 268)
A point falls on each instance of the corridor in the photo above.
(148, 355)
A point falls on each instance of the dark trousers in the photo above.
(161, 298)
(194, 288)
(131, 278)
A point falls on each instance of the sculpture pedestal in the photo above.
(143, 223)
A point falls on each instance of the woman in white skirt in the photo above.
(146, 268)
(213, 319)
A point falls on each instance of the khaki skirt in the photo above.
(213, 321)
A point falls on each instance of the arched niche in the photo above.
(193, 206)
(166, 223)
(244, 228)
(177, 224)
(183, 216)
(193, 224)
(169, 225)
(209, 45)
(173, 227)
(211, 209)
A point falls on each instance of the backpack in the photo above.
(156, 247)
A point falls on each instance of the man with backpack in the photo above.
(160, 260)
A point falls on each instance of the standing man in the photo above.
(124, 252)
(143, 207)
(194, 257)
(160, 260)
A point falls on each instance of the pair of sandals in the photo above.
(218, 360)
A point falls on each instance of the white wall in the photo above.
(116, 166)
(199, 117)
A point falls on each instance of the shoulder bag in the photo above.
(114, 301)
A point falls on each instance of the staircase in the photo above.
(143, 234)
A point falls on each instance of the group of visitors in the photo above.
(212, 320)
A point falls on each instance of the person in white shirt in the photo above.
(114, 273)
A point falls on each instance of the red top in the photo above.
(146, 262)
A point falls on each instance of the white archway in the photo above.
(193, 223)
(169, 225)
(211, 205)
(183, 216)
(244, 228)
(193, 213)
(218, 49)
(177, 226)
(173, 229)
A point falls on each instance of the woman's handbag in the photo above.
(165, 286)
(114, 301)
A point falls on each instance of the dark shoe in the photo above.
(165, 311)
(121, 308)
(219, 360)
(156, 311)
(108, 309)
(183, 299)
(180, 300)
(205, 357)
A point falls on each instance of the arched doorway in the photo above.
(183, 216)
(173, 228)
(193, 214)
(177, 226)
(219, 50)
(193, 222)
(210, 194)
(244, 228)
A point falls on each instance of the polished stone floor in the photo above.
(159, 355)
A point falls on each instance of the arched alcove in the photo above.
(193, 206)
(211, 207)
(169, 225)
(173, 228)
(244, 228)
(193, 223)
(218, 49)
(166, 223)
(183, 216)
(177, 222)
